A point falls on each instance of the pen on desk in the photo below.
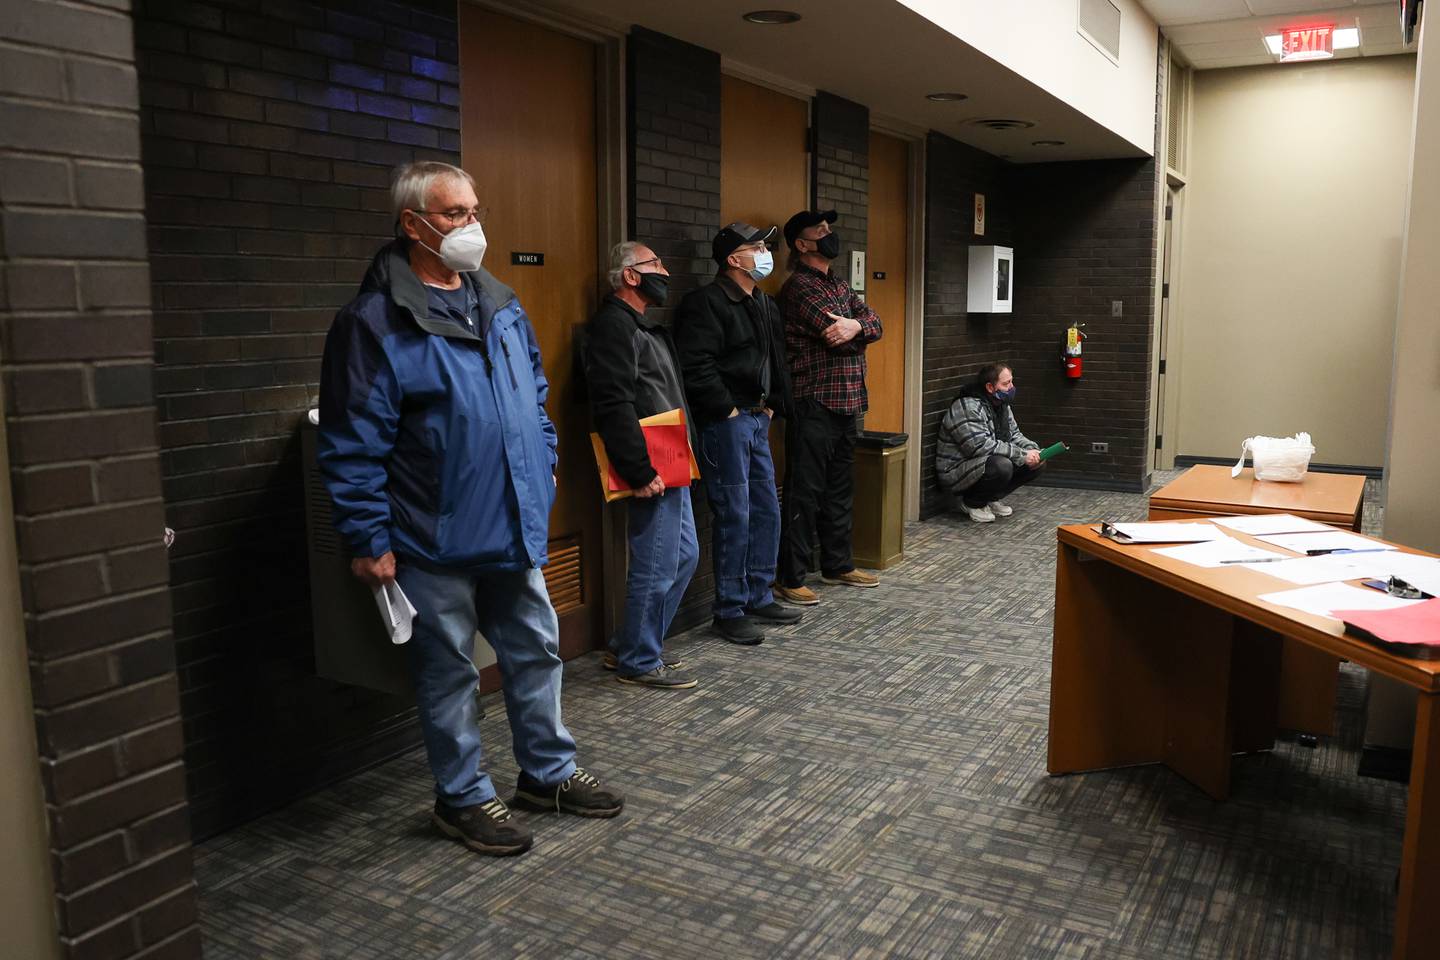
(1324, 551)
(1264, 560)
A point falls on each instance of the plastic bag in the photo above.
(1277, 458)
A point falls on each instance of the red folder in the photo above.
(669, 449)
(1411, 631)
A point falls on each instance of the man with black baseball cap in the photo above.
(732, 353)
(827, 328)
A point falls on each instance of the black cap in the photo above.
(804, 220)
(736, 235)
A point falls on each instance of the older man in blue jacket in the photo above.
(440, 459)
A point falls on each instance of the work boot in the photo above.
(852, 578)
(776, 613)
(581, 795)
(486, 828)
(742, 630)
(801, 596)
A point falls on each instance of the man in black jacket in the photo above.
(732, 350)
(631, 373)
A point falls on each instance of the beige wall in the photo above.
(27, 922)
(1286, 290)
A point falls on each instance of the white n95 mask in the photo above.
(461, 249)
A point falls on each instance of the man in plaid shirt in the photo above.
(827, 328)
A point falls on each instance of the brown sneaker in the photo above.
(672, 660)
(801, 596)
(487, 828)
(853, 578)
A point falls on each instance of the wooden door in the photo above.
(764, 176)
(887, 253)
(527, 130)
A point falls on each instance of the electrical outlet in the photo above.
(1099, 448)
(1117, 308)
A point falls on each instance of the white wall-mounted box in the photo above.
(992, 279)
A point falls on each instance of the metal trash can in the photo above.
(879, 514)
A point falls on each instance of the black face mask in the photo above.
(828, 246)
(654, 287)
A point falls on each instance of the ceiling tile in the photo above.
(1263, 8)
(1213, 32)
(1168, 12)
(1385, 49)
(1231, 62)
(1228, 50)
(1379, 15)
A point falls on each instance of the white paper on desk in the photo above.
(1327, 568)
(1168, 532)
(1267, 523)
(1335, 596)
(1418, 571)
(1216, 553)
(1330, 540)
(396, 611)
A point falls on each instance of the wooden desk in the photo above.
(1308, 678)
(1161, 661)
(1209, 491)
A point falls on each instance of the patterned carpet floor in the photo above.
(869, 783)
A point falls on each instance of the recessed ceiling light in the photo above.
(999, 123)
(1047, 143)
(946, 97)
(1272, 43)
(771, 16)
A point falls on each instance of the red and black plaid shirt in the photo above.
(832, 376)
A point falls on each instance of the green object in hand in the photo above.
(1053, 449)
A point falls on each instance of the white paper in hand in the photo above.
(396, 611)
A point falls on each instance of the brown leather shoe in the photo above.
(801, 596)
(853, 578)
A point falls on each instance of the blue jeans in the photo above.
(513, 612)
(663, 554)
(744, 511)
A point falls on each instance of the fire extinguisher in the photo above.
(1070, 356)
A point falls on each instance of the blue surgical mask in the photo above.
(1005, 396)
(764, 263)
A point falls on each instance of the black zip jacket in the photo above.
(630, 372)
(726, 338)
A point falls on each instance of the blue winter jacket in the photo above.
(433, 442)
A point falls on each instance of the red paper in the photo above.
(1416, 624)
(669, 449)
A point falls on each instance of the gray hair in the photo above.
(622, 255)
(410, 190)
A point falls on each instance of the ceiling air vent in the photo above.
(1000, 123)
(1099, 22)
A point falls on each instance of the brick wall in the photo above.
(75, 342)
(270, 134)
(955, 341)
(840, 168)
(1085, 237)
(674, 188)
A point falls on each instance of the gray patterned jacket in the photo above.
(968, 437)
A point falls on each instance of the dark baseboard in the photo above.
(1375, 472)
(1385, 763)
(1073, 482)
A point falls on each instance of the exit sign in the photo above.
(1307, 43)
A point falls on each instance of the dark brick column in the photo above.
(75, 336)
(840, 169)
(1086, 238)
(674, 188)
(957, 342)
(270, 136)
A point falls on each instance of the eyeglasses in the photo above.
(459, 215)
(643, 263)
